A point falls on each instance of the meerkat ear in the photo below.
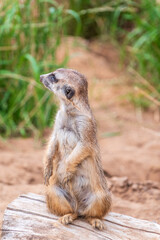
(69, 92)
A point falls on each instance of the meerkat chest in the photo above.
(66, 133)
(67, 139)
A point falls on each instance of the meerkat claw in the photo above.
(66, 219)
(46, 179)
(97, 223)
(67, 178)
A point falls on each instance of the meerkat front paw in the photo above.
(68, 176)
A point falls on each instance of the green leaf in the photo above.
(34, 66)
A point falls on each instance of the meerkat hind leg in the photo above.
(96, 223)
(68, 218)
(59, 201)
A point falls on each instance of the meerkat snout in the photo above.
(41, 78)
(49, 80)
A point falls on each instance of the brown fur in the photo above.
(74, 178)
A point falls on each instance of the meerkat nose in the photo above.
(41, 77)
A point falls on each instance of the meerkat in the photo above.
(73, 175)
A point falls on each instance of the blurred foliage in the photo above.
(30, 33)
(134, 26)
(100, 17)
(143, 45)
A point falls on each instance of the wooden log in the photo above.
(27, 217)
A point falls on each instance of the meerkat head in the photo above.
(68, 84)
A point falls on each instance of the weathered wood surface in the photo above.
(28, 218)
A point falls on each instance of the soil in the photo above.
(128, 138)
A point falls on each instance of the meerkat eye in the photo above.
(53, 79)
(69, 92)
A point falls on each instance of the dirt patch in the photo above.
(129, 139)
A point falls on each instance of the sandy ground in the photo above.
(128, 137)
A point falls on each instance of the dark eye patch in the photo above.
(69, 92)
(53, 79)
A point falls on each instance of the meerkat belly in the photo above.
(82, 179)
(67, 141)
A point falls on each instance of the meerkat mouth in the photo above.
(47, 84)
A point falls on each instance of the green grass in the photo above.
(134, 27)
(144, 42)
(30, 34)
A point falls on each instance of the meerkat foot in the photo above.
(96, 223)
(68, 218)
